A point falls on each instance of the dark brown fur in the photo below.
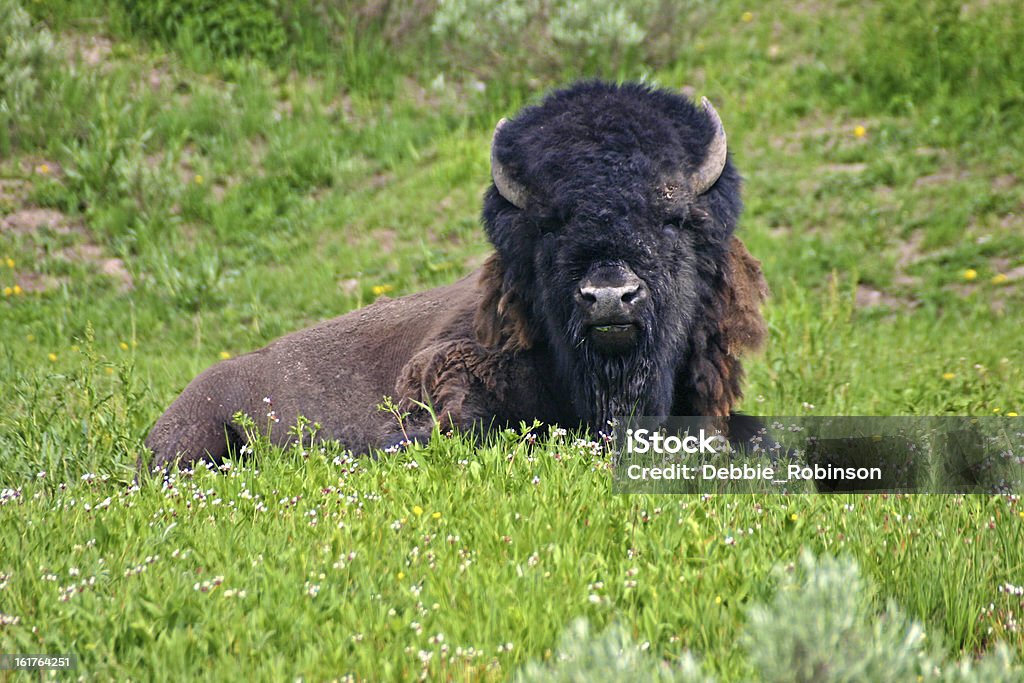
(714, 384)
(468, 350)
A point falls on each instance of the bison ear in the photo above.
(743, 328)
(500, 322)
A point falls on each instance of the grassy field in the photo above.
(168, 199)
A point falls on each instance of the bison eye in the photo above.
(546, 228)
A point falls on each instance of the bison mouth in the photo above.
(613, 337)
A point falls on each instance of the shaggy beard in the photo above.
(606, 386)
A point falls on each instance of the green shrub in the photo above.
(27, 55)
(820, 628)
(545, 36)
(232, 28)
(611, 656)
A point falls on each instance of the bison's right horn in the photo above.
(714, 162)
(508, 188)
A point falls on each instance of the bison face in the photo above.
(611, 211)
(610, 303)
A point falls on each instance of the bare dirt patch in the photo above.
(1010, 274)
(29, 221)
(870, 297)
(815, 125)
(1015, 273)
(843, 168)
(97, 258)
(999, 290)
(349, 286)
(159, 75)
(40, 166)
(385, 239)
(1012, 221)
(944, 176)
(32, 220)
(88, 50)
(1005, 182)
(38, 282)
(12, 194)
(996, 298)
(909, 252)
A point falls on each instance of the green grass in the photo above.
(202, 205)
(488, 547)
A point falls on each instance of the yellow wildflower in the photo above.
(401, 575)
(10, 262)
(224, 355)
(381, 289)
(793, 517)
(999, 278)
(718, 599)
(417, 510)
(109, 370)
(436, 515)
(52, 356)
(997, 410)
(1011, 414)
(198, 179)
(860, 131)
(948, 375)
(18, 289)
(747, 17)
(124, 346)
(8, 291)
(43, 169)
(970, 274)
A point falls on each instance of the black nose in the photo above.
(611, 294)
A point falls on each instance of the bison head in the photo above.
(612, 211)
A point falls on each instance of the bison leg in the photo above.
(174, 444)
(198, 425)
(462, 383)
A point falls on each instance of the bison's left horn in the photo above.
(714, 162)
(507, 186)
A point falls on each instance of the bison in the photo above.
(616, 287)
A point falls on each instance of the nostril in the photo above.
(587, 295)
(635, 295)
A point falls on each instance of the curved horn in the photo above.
(508, 188)
(706, 176)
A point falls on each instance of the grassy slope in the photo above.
(244, 203)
